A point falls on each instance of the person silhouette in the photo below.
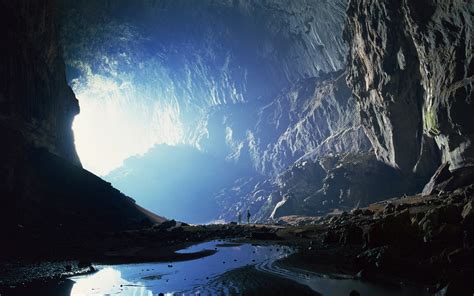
(248, 216)
(239, 217)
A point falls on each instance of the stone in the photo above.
(264, 236)
(410, 44)
(467, 214)
(354, 293)
(394, 229)
(462, 257)
(351, 235)
(389, 209)
(441, 175)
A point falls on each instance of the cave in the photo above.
(217, 147)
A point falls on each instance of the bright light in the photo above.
(117, 121)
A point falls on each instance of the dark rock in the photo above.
(457, 287)
(264, 236)
(165, 225)
(84, 264)
(441, 175)
(393, 229)
(451, 233)
(354, 293)
(380, 257)
(389, 209)
(467, 214)
(433, 220)
(330, 237)
(367, 212)
(351, 235)
(43, 185)
(424, 33)
(462, 257)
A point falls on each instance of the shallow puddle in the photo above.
(215, 274)
(173, 277)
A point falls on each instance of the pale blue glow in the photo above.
(119, 120)
(193, 277)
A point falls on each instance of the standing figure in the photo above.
(239, 217)
(248, 216)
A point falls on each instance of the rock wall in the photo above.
(193, 56)
(35, 99)
(46, 197)
(410, 67)
(310, 143)
(313, 118)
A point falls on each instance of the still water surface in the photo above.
(207, 275)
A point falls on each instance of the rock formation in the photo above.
(45, 195)
(410, 66)
(35, 101)
(312, 141)
(271, 86)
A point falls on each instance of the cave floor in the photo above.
(421, 241)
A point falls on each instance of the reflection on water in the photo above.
(153, 278)
(205, 275)
(338, 285)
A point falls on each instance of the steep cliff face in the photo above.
(410, 66)
(313, 118)
(442, 32)
(45, 195)
(310, 142)
(193, 58)
(35, 100)
(263, 84)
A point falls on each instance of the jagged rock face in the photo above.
(208, 52)
(315, 117)
(311, 138)
(46, 196)
(315, 188)
(193, 55)
(35, 100)
(442, 32)
(410, 66)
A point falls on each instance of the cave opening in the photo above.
(119, 120)
(152, 77)
(236, 147)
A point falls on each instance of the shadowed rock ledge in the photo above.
(45, 195)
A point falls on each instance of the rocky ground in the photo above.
(425, 240)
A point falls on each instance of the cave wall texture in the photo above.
(262, 84)
(45, 194)
(35, 100)
(410, 66)
(210, 60)
(259, 83)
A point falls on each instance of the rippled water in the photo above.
(212, 275)
(153, 278)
